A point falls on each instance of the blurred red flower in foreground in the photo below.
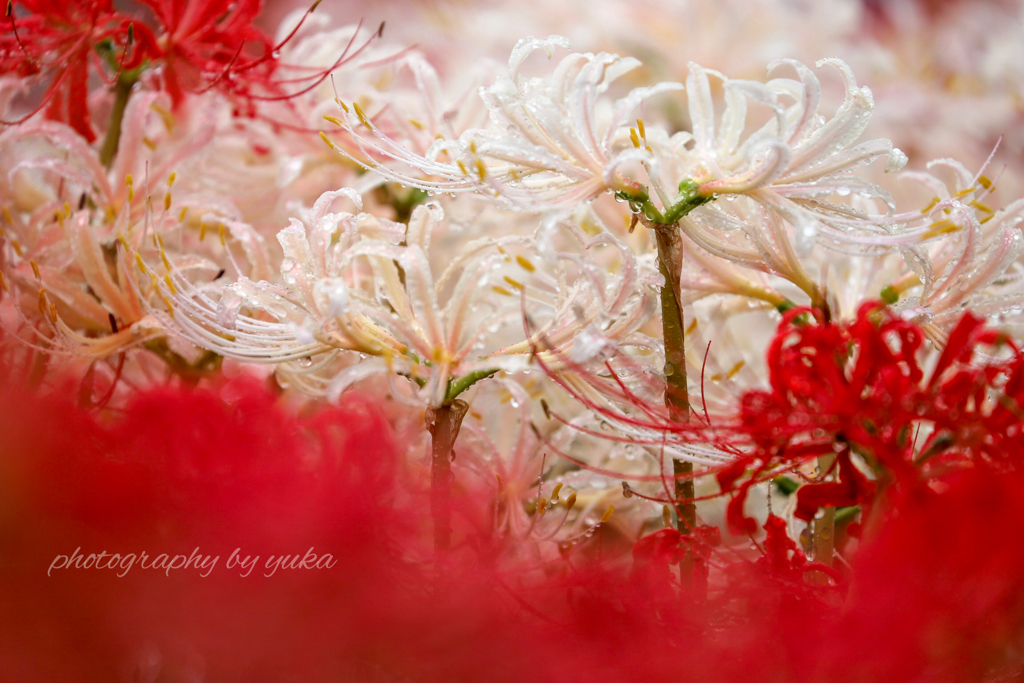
(937, 595)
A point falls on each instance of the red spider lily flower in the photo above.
(206, 44)
(858, 392)
(196, 45)
(56, 42)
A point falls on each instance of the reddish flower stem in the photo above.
(670, 259)
(443, 423)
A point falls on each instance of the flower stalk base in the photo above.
(443, 423)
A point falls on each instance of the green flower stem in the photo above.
(669, 239)
(443, 423)
(190, 372)
(457, 386)
(126, 80)
(676, 394)
(677, 398)
(122, 93)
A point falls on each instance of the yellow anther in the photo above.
(517, 285)
(692, 327)
(167, 302)
(124, 243)
(634, 138)
(501, 290)
(141, 263)
(481, 170)
(417, 124)
(607, 514)
(170, 285)
(941, 228)
(3, 282)
(640, 127)
(35, 269)
(985, 182)
(53, 313)
(202, 231)
(542, 506)
(981, 207)
(220, 234)
(333, 119)
(462, 167)
(167, 202)
(165, 116)
(554, 493)
(931, 205)
(362, 116)
(17, 248)
(735, 369)
(67, 210)
(570, 501)
(171, 178)
(963, 193)
(330, 143)
(44, 304)
(182, 214)
(7, 217)
(525, 264)
(472, 146)
(341, 104)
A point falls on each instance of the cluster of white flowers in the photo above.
(440, 240)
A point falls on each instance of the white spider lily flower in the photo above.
(748, 235)
(72, 225)
(349, 283)
(964, 252)
(554, 142)
(704, 274)
(587, 306)
(795, 161)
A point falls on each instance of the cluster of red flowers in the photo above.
(858, 393)
(198, 45)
